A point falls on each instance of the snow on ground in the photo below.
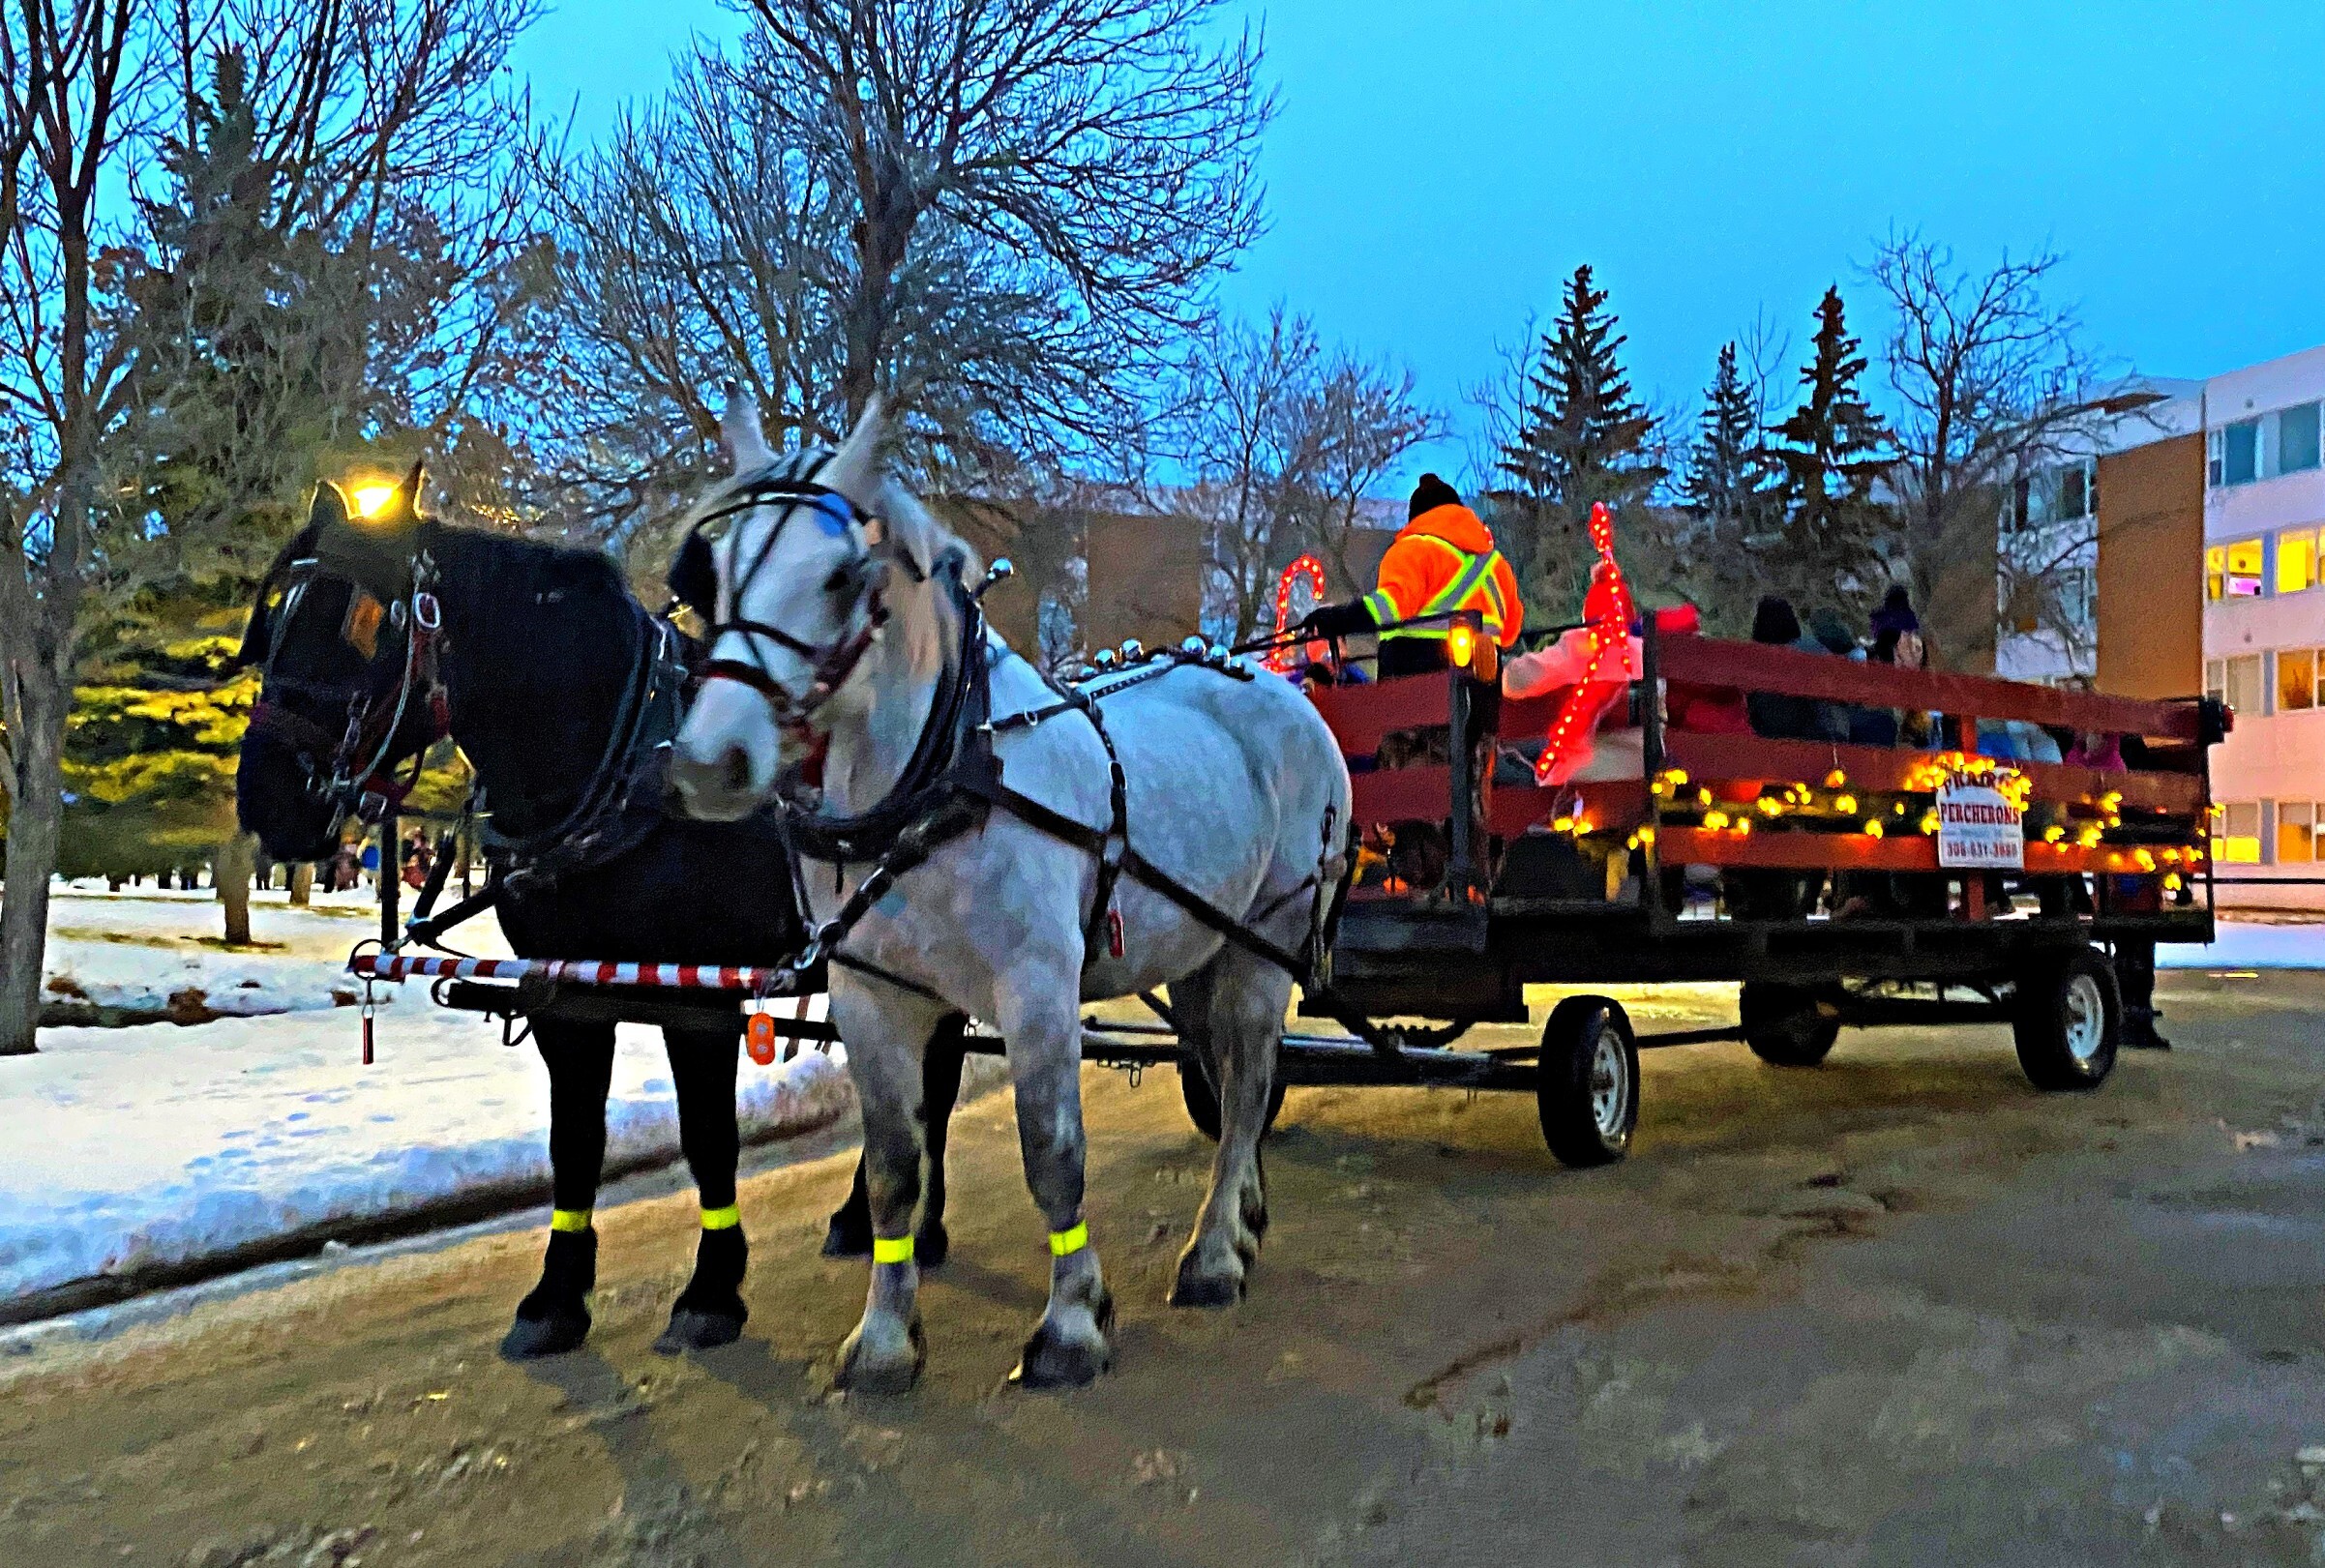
(139, 949)
(126, 1149)
(132, 1148)
(2250, 945)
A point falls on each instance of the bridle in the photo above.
(355, 773)
(831, 663)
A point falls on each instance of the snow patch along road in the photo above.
(2249, 945)
(142, 1149)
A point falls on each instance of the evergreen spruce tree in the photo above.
(1724, 464)
(1826, 458)
(1578, 440)
(1725, 491)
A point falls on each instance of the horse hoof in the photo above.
(848, 1238)
(1197, 1286)
(864, 1370)
(1050, 1360)
(932, 1246)
(531, 1338)
(690, 1330)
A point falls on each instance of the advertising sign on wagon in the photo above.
(1979, 827)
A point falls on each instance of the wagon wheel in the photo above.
(1788, 1026)
(1586, 1082)
(1202, 1105)
(2069, 1021)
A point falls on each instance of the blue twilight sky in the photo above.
(1439, 165)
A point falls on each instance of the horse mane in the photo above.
(521, 567)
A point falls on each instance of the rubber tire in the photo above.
(1202, 1106)
(1783, 1026)
(1563, 1082)
(2044, 1018)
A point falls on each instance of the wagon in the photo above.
(1843, 883)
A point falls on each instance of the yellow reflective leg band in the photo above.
(726, 1219)
(1066, 1242)
(892, 1249)
(569, 1219)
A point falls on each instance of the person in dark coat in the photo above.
(1775, 715)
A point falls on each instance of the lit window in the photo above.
(2296, 830)
(2296, 560)
(2215, 572)
(2236, 840)
(2296, 679)
(2297, 439)
(2240, 453)
(2242, 569)
(2243, 685)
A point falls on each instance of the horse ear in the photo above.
(747, 448)
(855, 470)
(329, 508)
(694, 579)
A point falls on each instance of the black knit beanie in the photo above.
(1429, 494)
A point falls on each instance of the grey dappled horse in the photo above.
(852, 631)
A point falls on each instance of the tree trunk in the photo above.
(302, 884)
(231, 872)
(36, 806)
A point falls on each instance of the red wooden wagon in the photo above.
(1810, 869)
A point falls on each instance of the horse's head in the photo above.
(343, 698)
(797, 564)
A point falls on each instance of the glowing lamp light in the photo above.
(1874, 828)
(1461, 644)
(371, 500)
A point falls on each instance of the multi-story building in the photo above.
(2048, 549)
(2264, 618)
(2192, 544)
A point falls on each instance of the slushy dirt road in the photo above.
(1898, 1310)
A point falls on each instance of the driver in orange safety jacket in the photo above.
(1442, 560)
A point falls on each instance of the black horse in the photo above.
(539, 664)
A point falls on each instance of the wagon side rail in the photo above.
(1744, 800)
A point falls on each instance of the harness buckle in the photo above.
(426, 614)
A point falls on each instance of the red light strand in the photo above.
(1608, 613)
(1281, 658)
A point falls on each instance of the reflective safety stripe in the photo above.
(1475, 571)
(1064, 1242)
(892, 1249)
(726, 1219)
(569, 1219)
(1381, 608)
